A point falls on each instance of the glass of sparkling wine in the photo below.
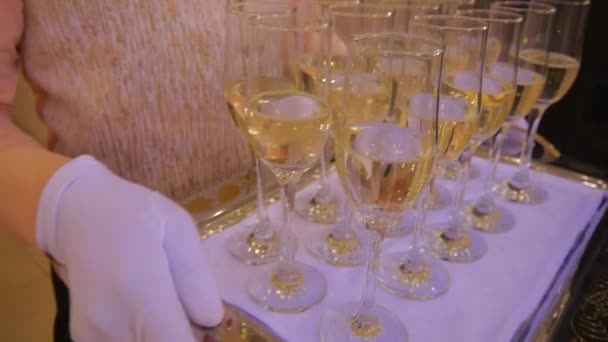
(439, 197)
(501, 27)
(384, 160)
(342, 245)
(404, 11)
(560, 63)
(499, 91)
(413, 274)
(459, 116)
(287, 127)
(258, 244)
(322, 206)
(484, 214)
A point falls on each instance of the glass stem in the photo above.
(521, 179)
(495, 154)
(463, 174)
(433, 192)
(324, 194)
(419, 220)
(367, 310)
(485, 204)
(287, 258)
(262, 230)
(343, 228)
(365, 322)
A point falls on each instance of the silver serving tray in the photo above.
(245, 327)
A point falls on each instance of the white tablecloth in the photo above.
(489, 300)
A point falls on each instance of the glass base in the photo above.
(499, 220)
(246, 248)
(340, 325)
(439, 198)
(295, 289)
(314, 210)
(404, 227)
(413, 276)
(344, 248)
(528, 195)
(466, 246)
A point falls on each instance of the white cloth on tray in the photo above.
(488, 300)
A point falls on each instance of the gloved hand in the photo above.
(132, 258)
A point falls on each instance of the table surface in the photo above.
(489, 299)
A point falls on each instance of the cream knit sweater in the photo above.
(137, 84)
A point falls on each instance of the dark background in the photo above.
(578, 125)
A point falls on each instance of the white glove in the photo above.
(133, 261)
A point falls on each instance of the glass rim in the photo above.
(417, 4)
(238, 7)
(460, 2)
(510, 17)
(317, 24)
(435, 48)
(566, 2)
(479, 24)
(340, 10)
(525, 6)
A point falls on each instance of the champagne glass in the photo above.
(452, 170)
(384, 159)
(414, 274)
(342, 245)
(439, 197)
(288, 126)
(440, 6)
(560, 64)
(258, 244)
(406, 10)
(499, 87)
(449, 170)
(459, 114)
(323, 206)
(484, 213)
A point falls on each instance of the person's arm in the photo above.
(131, 257)
(26, 166)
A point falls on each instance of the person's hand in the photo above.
(132, 258)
